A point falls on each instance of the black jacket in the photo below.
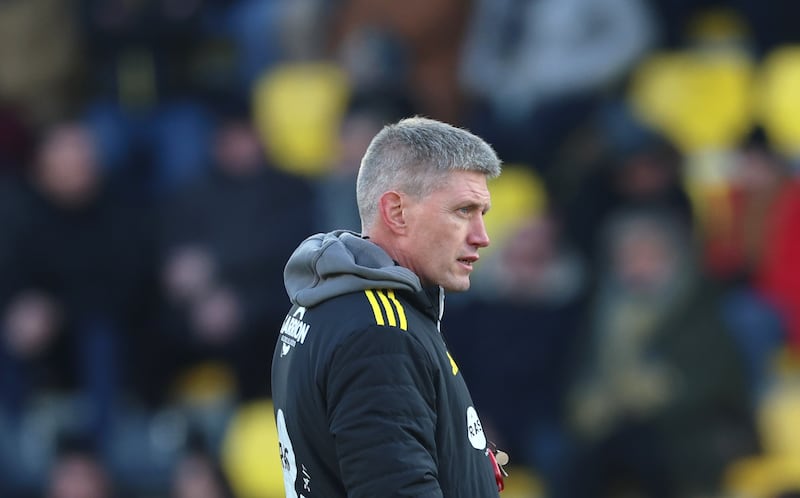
(368, 401)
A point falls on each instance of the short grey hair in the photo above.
(413, 156)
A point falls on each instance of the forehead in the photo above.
(464, 185)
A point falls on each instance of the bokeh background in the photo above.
(633, 331)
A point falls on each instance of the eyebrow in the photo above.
(484, 208)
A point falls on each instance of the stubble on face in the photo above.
(446, 231)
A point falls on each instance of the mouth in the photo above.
(468, 261)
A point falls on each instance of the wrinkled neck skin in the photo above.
(395, 251)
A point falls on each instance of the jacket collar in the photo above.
(430, 301)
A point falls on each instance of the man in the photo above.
(368, 401)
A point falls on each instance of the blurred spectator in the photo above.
(768, 192)
(634, 168)
(414, 49)
(376, 65)
(540, 66)
(78, 472)
(659, 399)
(223, 244)
(759, 175)
(197, 474)
(534, 266)
(778, 278)
(153, 152)
(735, 252)
(145, 52)
(511, 341)
(160, 70)
(74, 260)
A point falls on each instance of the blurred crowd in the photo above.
(632, 331)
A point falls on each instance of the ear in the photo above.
(392, 211)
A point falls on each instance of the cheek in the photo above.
(435, 233)
(444, 237)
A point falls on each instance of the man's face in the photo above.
(644, 262)
(445, 231)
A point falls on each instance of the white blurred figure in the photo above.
(558, 48)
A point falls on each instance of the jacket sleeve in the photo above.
(381, 411)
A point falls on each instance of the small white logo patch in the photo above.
(294, 330)
(287, 456)
(475, 430)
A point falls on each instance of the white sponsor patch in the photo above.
(475, 430)
(293, 331)
(287, 456)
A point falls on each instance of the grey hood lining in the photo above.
(327, 265)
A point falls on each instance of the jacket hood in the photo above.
(327, 265)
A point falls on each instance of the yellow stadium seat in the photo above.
(250, 455)
(522, 482)
(778, 417)
(517, 195)
(205, 384)
(778, 468)
(701, 100)
(762, 477)
(778, 99)
(298, 109)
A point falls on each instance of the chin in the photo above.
(457, 286)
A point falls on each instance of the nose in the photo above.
(478, 236)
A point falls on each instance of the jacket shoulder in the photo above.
(366, 308)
